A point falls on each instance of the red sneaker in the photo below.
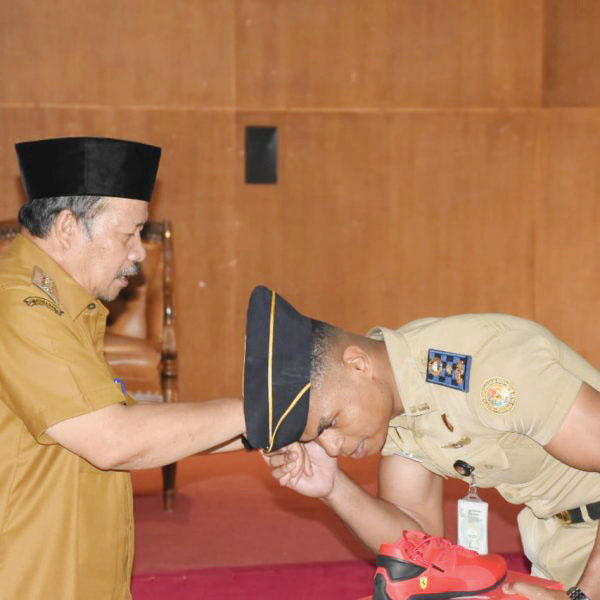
(424, 567)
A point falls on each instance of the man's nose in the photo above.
(138, 252)
(331, 443)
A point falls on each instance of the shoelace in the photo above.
(417, 551)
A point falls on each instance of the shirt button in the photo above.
(91, 306)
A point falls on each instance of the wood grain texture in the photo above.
(571, 48)
(567, 282)
(139, 52)
(379, 219)
(194, 190)
(418, 173)
(385, 53)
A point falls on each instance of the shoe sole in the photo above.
(380, 592)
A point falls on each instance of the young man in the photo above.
(497, 393)
(68, 432)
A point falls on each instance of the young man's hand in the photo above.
(305, 468)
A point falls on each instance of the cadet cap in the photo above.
(277, 368)
(88, 166)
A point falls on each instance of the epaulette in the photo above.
(448, 369)
(47, 285)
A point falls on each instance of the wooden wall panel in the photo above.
(571, 47)
(567, 281)
(139, 52)
(386, 218)
(400, 194)
(194, 190)
(388, 54)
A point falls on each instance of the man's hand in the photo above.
(533, 592)
(305, 468)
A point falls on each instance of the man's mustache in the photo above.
(134, 269)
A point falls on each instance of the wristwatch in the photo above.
(575, 593)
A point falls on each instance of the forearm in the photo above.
(142, 436)
(164, 433)
(229, 446)
(373, 520)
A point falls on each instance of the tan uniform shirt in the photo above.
(522, 383)
(66, 528)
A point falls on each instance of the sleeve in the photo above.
(519, 384)
(47, 373)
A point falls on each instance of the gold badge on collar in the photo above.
(37, 301)
(498, 395)
(45, 283)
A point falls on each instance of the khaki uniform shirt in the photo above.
(522, 383)
(66, 528)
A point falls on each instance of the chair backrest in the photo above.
(8, 230)
(145, 308)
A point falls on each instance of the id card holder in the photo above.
(473, 520)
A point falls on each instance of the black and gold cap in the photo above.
(277, 365)
(88, 166)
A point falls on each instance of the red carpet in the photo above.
(236, 533)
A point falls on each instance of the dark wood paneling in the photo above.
(571, 47)
(567, 283)
(388, 54)
(139, 52)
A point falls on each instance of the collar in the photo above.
(73, 298)
(410, 381)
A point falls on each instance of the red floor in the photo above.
(231, 514)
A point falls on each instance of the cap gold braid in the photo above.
(273, 433)
(270, 371)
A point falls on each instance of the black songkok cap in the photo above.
(279, 343)
(88, 166)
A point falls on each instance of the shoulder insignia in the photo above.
(37, 301)
(45, 283)
(448, 369)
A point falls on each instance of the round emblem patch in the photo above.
(498, 395)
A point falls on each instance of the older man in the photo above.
(68, 432)
(496, 394)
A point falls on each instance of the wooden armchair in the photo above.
(140, 340)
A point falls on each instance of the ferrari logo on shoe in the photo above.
(423, 582)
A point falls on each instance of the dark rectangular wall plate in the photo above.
(261, 154)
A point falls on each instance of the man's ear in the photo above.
(64, 228)
(357, 361)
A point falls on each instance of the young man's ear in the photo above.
(357, 361)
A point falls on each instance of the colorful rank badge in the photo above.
(448, 369)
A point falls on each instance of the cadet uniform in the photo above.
(491, 390)
(66, 528)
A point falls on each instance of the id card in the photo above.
(473, 524)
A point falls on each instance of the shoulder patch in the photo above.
(37, 301)
(45, 283)
(498, 395)
(448, 369)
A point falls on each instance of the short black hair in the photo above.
(323, 336)
(37, 215)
